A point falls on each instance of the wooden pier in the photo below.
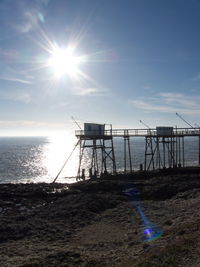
(164, 148)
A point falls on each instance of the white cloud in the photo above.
(34, 124)
(31, 128)
(169, 103)
(92, 91)
(196, 78)
(12, 75)
(21, 16)
(30, 20)
(17, 95)
(13, 79)
(28, 14)
(178, 99)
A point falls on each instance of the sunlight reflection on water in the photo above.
(39, 159)
(56, 152)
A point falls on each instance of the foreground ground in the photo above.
(94, 224)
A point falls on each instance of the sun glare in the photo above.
(64, 61)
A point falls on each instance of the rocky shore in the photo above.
(93, 223)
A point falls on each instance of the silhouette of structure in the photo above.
(101, 149)
(164, 148)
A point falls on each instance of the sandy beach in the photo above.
(93, 223)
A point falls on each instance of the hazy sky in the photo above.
(141, 62)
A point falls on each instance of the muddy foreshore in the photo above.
(93, 223)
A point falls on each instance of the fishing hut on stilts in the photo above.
(164, 148)
(96, 144)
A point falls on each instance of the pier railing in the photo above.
(137, 133)
(164, 147)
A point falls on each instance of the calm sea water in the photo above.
(39, 159)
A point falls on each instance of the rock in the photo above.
(131, 244)
(146, 246)
(23, 208)
(168, 222)
(8, 203)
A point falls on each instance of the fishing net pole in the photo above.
(65, 162)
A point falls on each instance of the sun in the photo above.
(64, 62)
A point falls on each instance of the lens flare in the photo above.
(151, 232)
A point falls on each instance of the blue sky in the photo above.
(142, 63)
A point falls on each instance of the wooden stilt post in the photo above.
(199, 149)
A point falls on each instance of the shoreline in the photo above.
(92, 223)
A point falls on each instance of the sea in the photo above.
(40, 159)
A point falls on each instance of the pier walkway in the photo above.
(137, 133)
(164, 147)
